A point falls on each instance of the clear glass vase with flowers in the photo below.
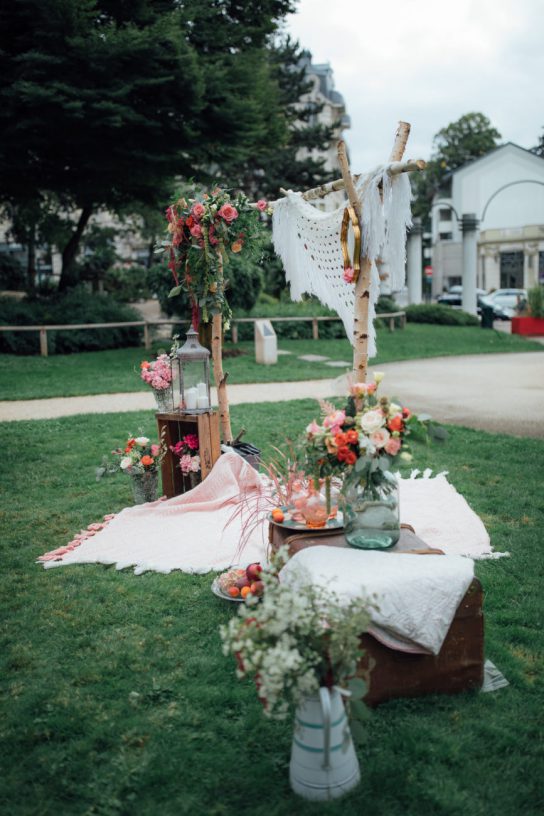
(139, 458)
(362, 443)
(158, 374)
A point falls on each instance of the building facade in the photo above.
(505, 191)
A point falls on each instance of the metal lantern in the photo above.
(193, 364)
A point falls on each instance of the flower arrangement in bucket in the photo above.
(202, 232)
(158, 374)
(362, 443)
(140, 459)
(301, 646)
(186, 450)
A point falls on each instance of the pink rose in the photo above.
(380, 438)
(185, 463)
(195, 464)
(393, 446)
(314, 428)
(262, 205)
(196, 231)
(334, 421)
(349, 274)
(228, 212)
(155, 450)
(198, 210)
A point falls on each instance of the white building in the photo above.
(505, 191)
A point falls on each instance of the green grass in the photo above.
(116, 699)
(106, 372)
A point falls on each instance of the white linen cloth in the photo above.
(416, 596)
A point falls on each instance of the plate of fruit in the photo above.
(237, 584)
(291, 518)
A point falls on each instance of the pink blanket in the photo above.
(190, 532)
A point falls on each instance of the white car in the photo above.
(505, 302)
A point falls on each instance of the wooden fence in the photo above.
(391, 317)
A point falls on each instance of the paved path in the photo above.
(495, 392)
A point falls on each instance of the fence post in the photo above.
(147, 337)
(43, 342)
(391, 324)
(315, 329)
(234, 332)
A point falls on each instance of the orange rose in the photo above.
(237, 246)
(341, 440)
(145, 364)
(352, 437)
(395, 424)
(330, 445)
(351, 458)
(147, 461)
(343, 454)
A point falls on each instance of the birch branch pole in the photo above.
(219, 376)
(362, 286)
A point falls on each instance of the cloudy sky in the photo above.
(428, 62)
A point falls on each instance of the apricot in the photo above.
(277, 514)
(233, 592)
(245, 591)
(257, 588)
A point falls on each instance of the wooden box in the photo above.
(459, 666)
(174, 426)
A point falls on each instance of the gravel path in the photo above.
(494, 392)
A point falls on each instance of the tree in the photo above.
(469, 138)
(539, 149)
(103, 102)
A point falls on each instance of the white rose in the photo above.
(378, 377)
(394, 409)
(125, 462)
(380, 438)
(371, 421)
(142, 441)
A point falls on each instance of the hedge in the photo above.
(443, 315)
(76, 306)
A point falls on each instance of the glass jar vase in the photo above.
(145, 486)
(371, 514)
(164, 399)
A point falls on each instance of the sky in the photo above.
(428, 62)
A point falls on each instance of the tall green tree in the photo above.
(464, 140)
(103, 102)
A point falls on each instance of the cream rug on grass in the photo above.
(200, 531)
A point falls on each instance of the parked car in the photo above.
(454, 297)
(505, 302)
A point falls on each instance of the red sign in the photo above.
(428, 270)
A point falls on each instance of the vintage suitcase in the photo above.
(460, 664)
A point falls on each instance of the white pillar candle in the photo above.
(190, 399)
(202, 389)
(202, 402)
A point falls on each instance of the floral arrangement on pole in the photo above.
(189, 461)
(294, 640)
(202, 232)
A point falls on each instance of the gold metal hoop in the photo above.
(350, 216)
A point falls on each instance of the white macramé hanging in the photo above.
(308, 242)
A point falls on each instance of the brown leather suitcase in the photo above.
(458, 667)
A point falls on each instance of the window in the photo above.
(541, 267)
(444, 215)
(511, 270)
(445, 236)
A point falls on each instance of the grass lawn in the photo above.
(116, 699)
(106, 372)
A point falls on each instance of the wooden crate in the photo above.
(173, 426)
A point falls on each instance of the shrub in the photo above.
(442, 315)
(295, 330)
(535, 301)
(127, 284)
(76, 306)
